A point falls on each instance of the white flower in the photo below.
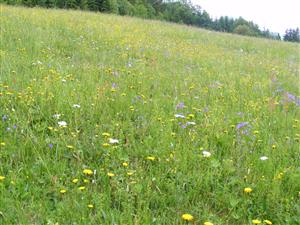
(263, 158)
(113, 141)
(179, 116)
(76, 106)
(63, 80)
(206, 154)
(190, 123)
(62, 123)
(56, 116)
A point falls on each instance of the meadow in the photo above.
(117, 120)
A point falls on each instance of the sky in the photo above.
(275, 15)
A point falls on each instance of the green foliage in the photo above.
(292, 35)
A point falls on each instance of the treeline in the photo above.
(180, 11)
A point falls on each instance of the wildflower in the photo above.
(247, 190)
(62, 191)
(125, 164)
(105, 134)
(208, 223)
(2, 178)
(2, 144)
(274, 146)
(86, 181)
(110, 174)
(151, 158)
(105, 145)
(70, 146)
(76, 106)
(268, 222)
(263, 158)
(75, 180)
(179, 116)
(90, 206)
(131, 108)
(190, 123)
(191, 115)
(187, 217)
(56, 116)
(240, 125)
(4, 118)
(206, 154)
(87, 172)
(256, 221)
(113, 141)
(81, 188)
(62, 123)
(50, 146)
(180, 105)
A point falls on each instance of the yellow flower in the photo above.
(90, 206)
(256, 221)
(2, 144)
(274, 146)
(208, 223)
(105, 134)
(247, 190)
(86, 181)
(187, 217)
(2, 178)
(151, 158)
(125, 164)
(105, 145)
(70, 146)
(111, 174)
(87, 172)
(81, 188)
(62, 191)
(268, 222)
(129, 173)
(75, 181)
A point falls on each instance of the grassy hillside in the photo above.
(114, 120)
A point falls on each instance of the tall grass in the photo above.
(161, 120)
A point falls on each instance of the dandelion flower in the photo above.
(90, 206)
(125, 164)
(2, 143)
(62, 191)
(105, 134)
(105, 145)
(268, 222)
(75, 181)
(151, 158)
(87, 172)
(247, 190)
(70, 146)
(81, 188)
(187, 217)
(2, 178)
(110, 174)
(256, 221)
(208, 223)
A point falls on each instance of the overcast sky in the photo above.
(276, 15)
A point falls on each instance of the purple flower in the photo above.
(240, 125)
(180, 105)
(114, 85)
(50, 146)
(15, 126)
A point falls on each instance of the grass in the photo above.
(110, 77)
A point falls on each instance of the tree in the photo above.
(292, 35)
